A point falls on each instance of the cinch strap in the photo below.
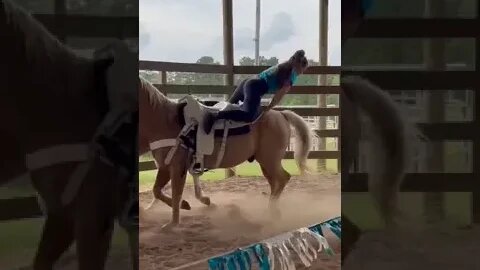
(57, 154)
(162, 143)
(221, 152)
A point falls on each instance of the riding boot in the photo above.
(208, 121)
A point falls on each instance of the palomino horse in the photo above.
(56, 114)
(267, 141)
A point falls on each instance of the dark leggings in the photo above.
(250, 92)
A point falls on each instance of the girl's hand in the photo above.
(277, 98)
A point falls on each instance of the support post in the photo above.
(434, 59)
(323, 61)
(60, 12)
(228, 52)
(476, 142)
(257, 34)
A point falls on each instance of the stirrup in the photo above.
(197, 168)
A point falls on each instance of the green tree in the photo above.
(151, 76)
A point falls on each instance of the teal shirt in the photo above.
(270, 76)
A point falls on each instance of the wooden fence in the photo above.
(167, 67)
(430, 80)
(436, 78)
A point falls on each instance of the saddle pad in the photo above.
(194, 111)
(233, 131)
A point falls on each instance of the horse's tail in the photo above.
(303, 139)
(391, 143)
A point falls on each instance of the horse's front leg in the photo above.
(163, 177)
(198, 190)
(94, 216)
(132, 232)
(57, 237)
(58, 230)
(178, 176)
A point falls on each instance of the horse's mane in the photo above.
(155, 97)
(39, 44)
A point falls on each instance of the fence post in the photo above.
(60, 13)
(163, 77)
(323, 55)
(476, 141)
(227, 6)
(434, 57)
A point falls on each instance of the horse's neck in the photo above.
(29, 43)
(47, 84)
(169, 113)
(168, 116)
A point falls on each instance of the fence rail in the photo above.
(224, 69)
(82, 25)
(167, 67)
(222, 89)
(439, 77)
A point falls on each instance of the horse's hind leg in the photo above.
(56, 239)
(270, 179)
(198, 191)
(277, 178)
(163, 177)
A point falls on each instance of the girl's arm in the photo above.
(278, 97)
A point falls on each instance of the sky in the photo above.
(185, 30)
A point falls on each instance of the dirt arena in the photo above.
(238, 218)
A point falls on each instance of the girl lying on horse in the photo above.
(275, 80)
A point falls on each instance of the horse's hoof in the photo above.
(185, 205)
(206, 201)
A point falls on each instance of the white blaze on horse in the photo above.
(63, 124)
(172, 132)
